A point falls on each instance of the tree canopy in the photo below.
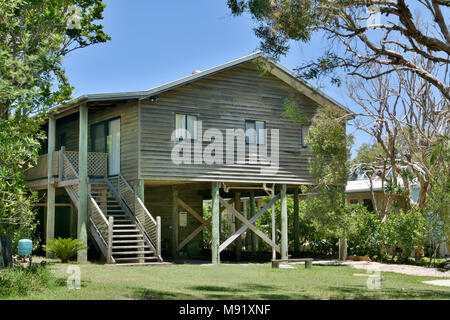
(361, 33)
(35, 35)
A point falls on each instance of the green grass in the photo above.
(253, 281)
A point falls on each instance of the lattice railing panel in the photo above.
(97, 162)
(69, 170)
(72, 157)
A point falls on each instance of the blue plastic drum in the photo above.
(25, 247)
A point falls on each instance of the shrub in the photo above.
(18, 281)
(64, 248)
(405, 230)
(366, 238)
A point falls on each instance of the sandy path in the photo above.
(397, 268)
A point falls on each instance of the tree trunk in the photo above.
(342, 249)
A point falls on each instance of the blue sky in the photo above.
(157, 41)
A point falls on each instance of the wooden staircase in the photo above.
(118, 221)
(129, 243)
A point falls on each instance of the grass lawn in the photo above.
(253, 281)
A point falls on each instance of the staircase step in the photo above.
(135, 258)
(129, 247)
(131, 224)
(127, 230)
(136, 252)
(129, 236)
(128, 241)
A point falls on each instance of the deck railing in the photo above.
(150, 225)
(39, 171)
(68, 164)
(97, 165)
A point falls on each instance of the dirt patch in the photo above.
(442, 283)
(398, 268)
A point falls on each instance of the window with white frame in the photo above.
(186, 124)
(255, 132)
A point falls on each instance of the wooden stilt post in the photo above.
(83, 187)
(61, 163)
(274, 227)
(252, 213)
(174, 222)
(284, 224)
(51, 190)
(215, 221)
(238, 243)
(296, 221)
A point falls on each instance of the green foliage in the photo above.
(34, 38)
(438, 205)
(292, 111)
(365, 232)
(330, 147)
(64, 248)
(366, 156)
(19, 144)
(405, 230)
(280, 23)
(21, 282)
(329, 166)
(310, 235)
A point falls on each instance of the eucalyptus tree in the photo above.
(360, 34)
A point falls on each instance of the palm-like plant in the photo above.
(64, 248)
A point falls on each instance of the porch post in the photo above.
(51, 190)
(174, 222)
(252, 213)
(83, 187)
(274, 226)
(141, 190)
(238, 242)
(296, 221)
(284, 224)
(215, 223)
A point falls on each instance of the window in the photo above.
(257, 133)
(186, 123)
(305, 132)
(354, 201)
(99, 132)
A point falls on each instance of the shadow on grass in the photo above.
(245, 291)
(215, 289)
(150, 294)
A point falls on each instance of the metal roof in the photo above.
(200, 75)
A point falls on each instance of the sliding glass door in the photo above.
(106, 138)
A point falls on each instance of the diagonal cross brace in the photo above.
(249, 224)
(204, 223)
